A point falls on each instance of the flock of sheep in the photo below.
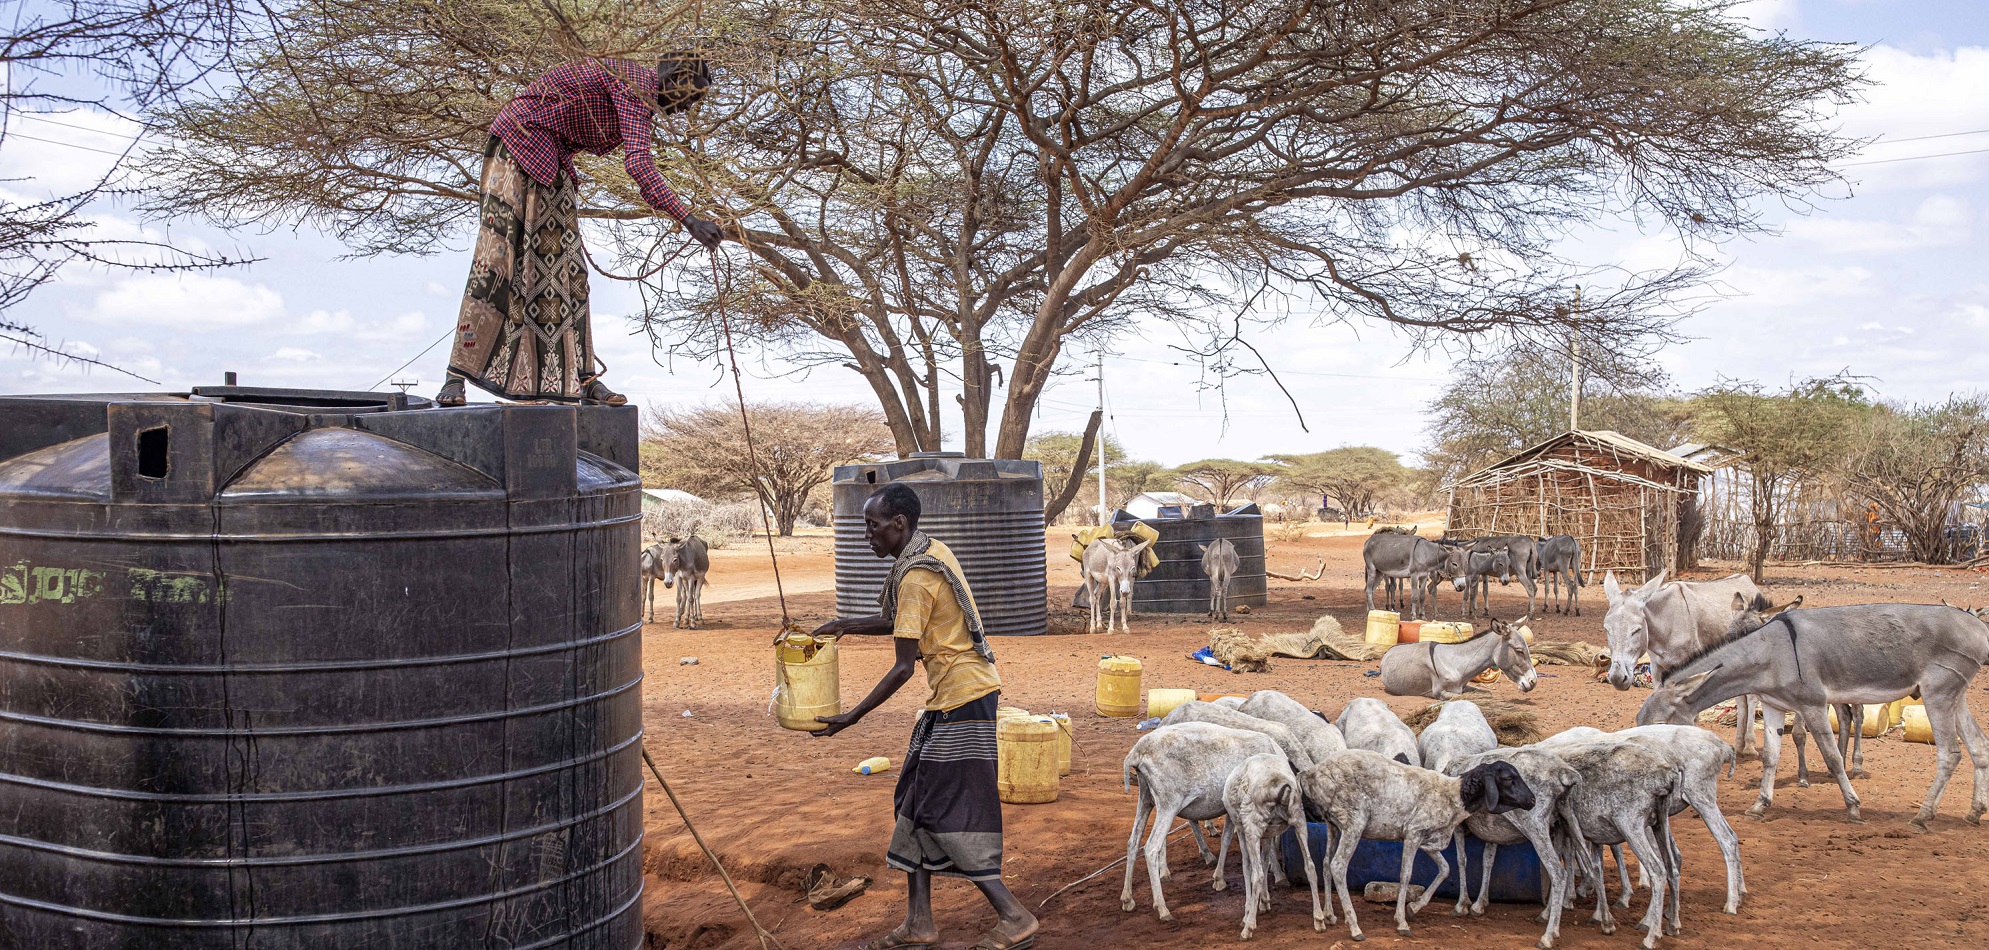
(1268, 762)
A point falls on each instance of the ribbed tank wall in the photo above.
(1178, 585)
(988, 511)
(345, 679)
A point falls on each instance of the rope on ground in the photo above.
(766, 938)
(1176, 833)
(752, 453)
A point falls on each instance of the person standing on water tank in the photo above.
(524, 331)
(947, 806)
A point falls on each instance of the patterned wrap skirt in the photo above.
(523, 331)
(948, 809)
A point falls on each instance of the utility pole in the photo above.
(1575, 365)
(1104, 517)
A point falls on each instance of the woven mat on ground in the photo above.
(1326, 641)
(1514, 724)
(1578, 653)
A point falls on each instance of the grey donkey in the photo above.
(680, 563)
(1561, 570)
(1220, 563)
(1368, 795)
(1444, 670)
(1805, 660)
(1110, 567)
(1524, 553)
(1475, 580)
(1405, 557)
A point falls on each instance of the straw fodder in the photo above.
(1512, 723)
(1239, 651)
(1326, 641)
(1578, 653)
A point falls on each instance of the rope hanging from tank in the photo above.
(766, 937)
(752, 453)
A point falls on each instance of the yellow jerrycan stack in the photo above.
(1384, 628)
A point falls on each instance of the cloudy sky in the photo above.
(1886, 279)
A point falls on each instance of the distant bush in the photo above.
(718, 523)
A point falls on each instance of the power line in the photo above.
(438, 342)
(1915, 158)
(1300, 372)
(86, 148)
(41, 117)
(1922, 138)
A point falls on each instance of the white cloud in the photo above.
(1768, 14)
(292, 354)
(343, 323)
(1913, 96)
(1938, 221)
(183, 302)
(62, 153)
(1798, 286)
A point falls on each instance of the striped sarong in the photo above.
(949, 813)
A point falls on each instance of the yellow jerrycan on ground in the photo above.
(806, 681)
(1119, 687)
(1026, 759)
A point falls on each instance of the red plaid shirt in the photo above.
(583, 107)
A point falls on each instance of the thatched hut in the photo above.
(1623, 500)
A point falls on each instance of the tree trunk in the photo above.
(1076, 480)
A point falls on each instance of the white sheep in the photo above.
(1550, 779)
(1181, 770)
(1366, 794)
(1320, 736)
(1460, 729)
(1702, 756)
(1368, 723)
(1196, 711)
(1263, 799)
(1626, 795)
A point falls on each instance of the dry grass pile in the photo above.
(1239, 651)
(1578, 653)
(1512, 723)
(1326, 641)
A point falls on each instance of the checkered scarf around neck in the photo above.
(917, 556)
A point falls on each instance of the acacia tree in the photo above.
(944, 197)
(1357, 475)
(1062, 453)
(1785, 438)
(1495, 406)
(796, 448)
(1917, 464)
(1219, 480)
(114, 56)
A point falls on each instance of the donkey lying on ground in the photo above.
(1441, 670)
(1872, 653)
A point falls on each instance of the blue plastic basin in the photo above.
(1516, 876)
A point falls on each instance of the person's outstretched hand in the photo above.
(703, 231)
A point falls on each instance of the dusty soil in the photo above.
(774, 803)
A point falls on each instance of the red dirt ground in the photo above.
(774, 803)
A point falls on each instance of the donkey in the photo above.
(1750, 616)
(1441, 670)
(681, 563)
(1870, 653)
(1408, 557)
(1672, 622)
(1560, 565)
(1220, 563)
(1110, 565)
(1524, 553)
(1475, 580)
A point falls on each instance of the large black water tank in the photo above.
(1178, 585)
(288, 670)
(989, 511)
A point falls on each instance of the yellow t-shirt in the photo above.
(929, 613)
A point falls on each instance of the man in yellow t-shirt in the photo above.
(948, 810)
